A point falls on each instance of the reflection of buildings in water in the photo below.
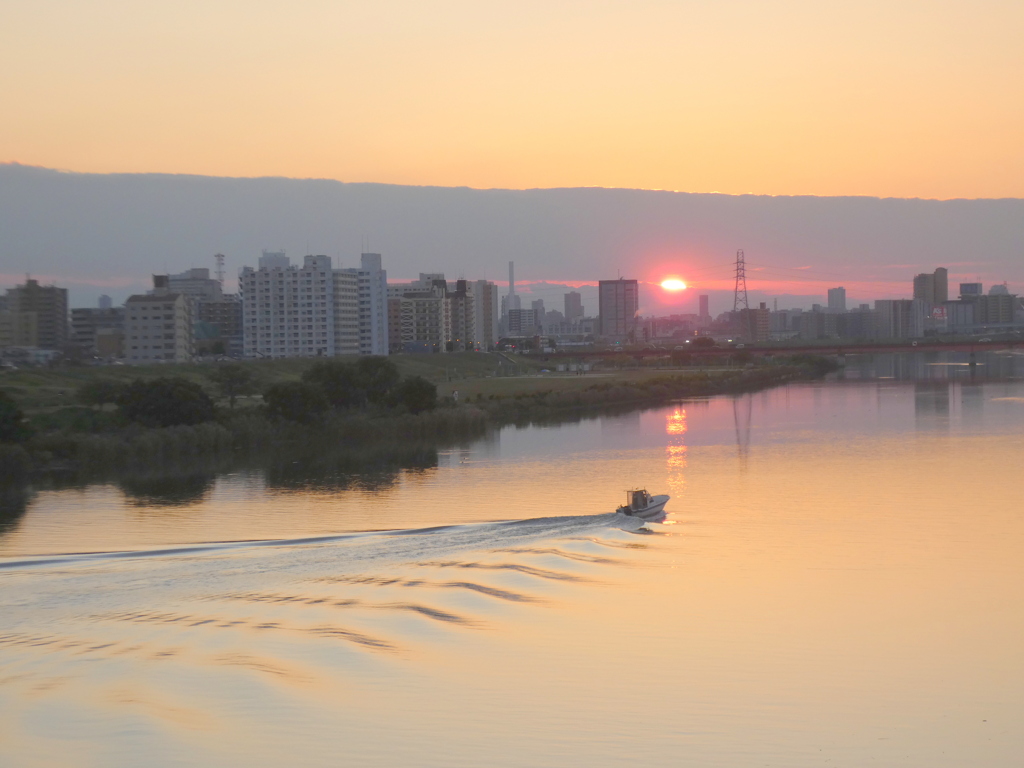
(931, 404)
(972, 403)
(675, 428)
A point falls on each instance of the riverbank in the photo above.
(249, 438)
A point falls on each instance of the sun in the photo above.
(673, 284)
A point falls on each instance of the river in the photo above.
(837, 583)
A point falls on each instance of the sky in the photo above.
(919, 98)
(108, 233)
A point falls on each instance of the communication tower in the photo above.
(219, 258)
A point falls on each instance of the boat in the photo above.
(639, 503)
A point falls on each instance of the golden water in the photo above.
(838, 583)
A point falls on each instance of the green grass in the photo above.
(43, 389)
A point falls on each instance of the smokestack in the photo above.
(511, 278)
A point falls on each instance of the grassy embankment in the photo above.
(89, 443)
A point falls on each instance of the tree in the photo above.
(296, 401)
(13, 427)
(99, 392)
(233, 380)
(377, 376)
(166, 402)
(340, 382)
(703, 341)
(415, 393)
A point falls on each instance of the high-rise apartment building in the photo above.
(197, 284)
(423, 312)
(618, 303)
(485, 314)
(158, 326)
(573, 306)
(932, 288)
(48, 305)
(837, 299)
(313, 310)
(703, 311)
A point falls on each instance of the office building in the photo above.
(900, 318)
(618, 304)
(970, 290)
(538, 313)
(837, 299)
(522, 322)
(573, 306)
(158, 326)
(48, 328)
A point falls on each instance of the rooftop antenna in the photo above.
(219, 258)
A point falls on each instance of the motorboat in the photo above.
(639, 503)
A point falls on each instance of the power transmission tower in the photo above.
(739, 298)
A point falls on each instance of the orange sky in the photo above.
(907, 99)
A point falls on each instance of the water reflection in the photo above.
(14, 501)
(931, 404)
(675, 429)
(166, 490)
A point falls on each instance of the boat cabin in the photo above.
(637, 500)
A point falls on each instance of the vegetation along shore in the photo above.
(87, 424)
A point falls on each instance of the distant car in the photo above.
(983, 340)
(740, 346)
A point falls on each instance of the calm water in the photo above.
(839, 583)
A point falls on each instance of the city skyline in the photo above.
(107, 233)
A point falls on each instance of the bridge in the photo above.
(771, 349)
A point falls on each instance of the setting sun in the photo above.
(673, 284)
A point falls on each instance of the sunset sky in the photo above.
(891, 99)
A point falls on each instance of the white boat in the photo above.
(639, 503)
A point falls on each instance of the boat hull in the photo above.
(652, 512)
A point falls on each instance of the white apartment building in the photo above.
(158, 326)
(313, 310)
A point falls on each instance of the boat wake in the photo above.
(104, 626)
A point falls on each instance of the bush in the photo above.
(13, 427)
(99, 392)
(377, 377)
(339, 382)
(165, 402)
(416, 394)
(296, 401)
(232, 380)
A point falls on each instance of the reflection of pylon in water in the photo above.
(741, 418)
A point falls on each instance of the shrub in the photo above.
(13, 427)
(296, 401)
(165, 402)
(377, 377)
(232, 380)
(338, 381)
(416, 394)
(99, 392)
